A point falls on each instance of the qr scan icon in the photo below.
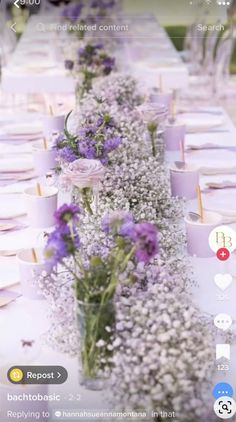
(225, 407)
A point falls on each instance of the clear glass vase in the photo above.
(158, 141)
(96, 326)
(87, 197)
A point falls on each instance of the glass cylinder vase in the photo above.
(87, 197)
(96, 326)
(157, 139)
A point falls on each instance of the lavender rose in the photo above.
(152, 113)
(85, 173)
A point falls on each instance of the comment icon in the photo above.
(223, 321)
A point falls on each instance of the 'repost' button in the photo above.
(37, 374)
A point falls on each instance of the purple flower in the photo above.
(87, 131)
(145, 236)
(111, 144)
(115, 221)
(67, 154)
(58, 142)
(108, 120)
(99, 122)
(104, 160)
(55, 250)
(74, 12)
(60, 245)
(81, 52)
(64, 151)
(87, 149)
(69, 64)
(99, 46)
(67, 213)
(64, 12)
(108, 63)
(127, 229)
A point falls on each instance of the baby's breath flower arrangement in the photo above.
(163, 354)
(117, 89)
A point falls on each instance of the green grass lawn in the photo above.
(177, 34)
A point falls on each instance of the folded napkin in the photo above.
(222, 201)
(213, 161)
(218, 181)
(200, 122)
(210, 140)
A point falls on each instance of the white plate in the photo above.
(213, 161)
(16, 165)
(9, 272)
(22, 239)
(12, 206)
(5, 148)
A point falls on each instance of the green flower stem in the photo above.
(152, 128)
(86, 198)
(127, 259)
(95, 327)
(154, 151)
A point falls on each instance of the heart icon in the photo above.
(223, 281)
